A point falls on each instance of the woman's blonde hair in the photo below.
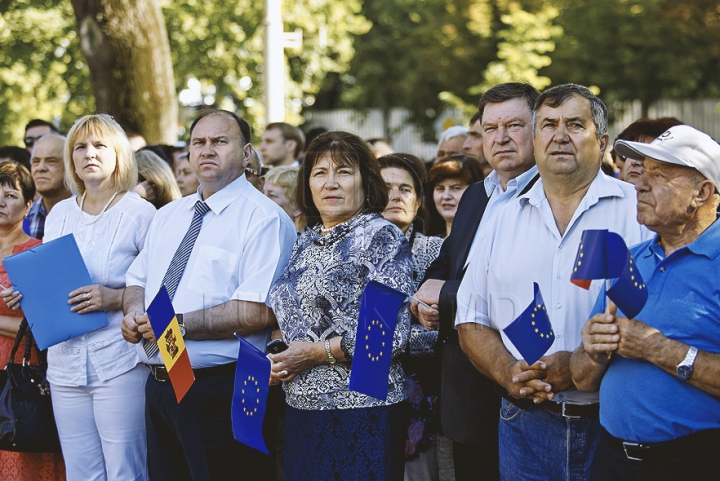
(104, 127)
(156, 171)
(286, 177)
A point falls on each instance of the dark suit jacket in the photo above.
(469, 407)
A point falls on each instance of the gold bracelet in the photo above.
(331, 358)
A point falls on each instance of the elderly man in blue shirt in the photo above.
(659, 374)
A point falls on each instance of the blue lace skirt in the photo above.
(345, 444)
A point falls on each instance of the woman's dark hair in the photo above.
(18, 177)
(348, 149)
(416, 168)
(462, 167)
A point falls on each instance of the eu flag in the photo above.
(531, 333)
(170, 343)
(379, 309)
(604, 255)
(252, 379)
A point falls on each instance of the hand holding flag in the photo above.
(170, 343)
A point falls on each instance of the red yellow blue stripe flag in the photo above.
(170, 343)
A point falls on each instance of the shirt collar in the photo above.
(707, 243)
(493, 182)
(37, 207)
(222, 198)
(601, 187)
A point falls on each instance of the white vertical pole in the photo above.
(274, 63)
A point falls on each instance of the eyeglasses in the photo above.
(30, 141)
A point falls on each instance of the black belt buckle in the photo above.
(159, 373)
(565, 415)
(632, 447)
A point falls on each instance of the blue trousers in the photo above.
(537, 445)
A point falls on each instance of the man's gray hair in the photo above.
(454, 131)
(558, 95)
(48, 136)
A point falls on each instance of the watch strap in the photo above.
(181, 324)
(684, 370)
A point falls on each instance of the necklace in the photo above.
(97, 217)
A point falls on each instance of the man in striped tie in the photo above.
(217, 253)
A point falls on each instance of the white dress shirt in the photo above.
(243, 246)
(523, 245)
(108, 247)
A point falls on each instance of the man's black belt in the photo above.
(159, 373)
(692, 443)
(587, 411)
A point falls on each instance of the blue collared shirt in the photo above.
(34, 223)
(523, 245)
(640, 402)
(497, 197)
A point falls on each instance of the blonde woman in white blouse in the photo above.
(96, 380)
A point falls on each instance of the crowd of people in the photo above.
(279, 243)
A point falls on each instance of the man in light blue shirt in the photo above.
(659, 391)
(548, 430)
(469, 406)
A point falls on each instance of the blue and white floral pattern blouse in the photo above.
(317, 297)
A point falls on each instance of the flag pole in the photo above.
(607, 307)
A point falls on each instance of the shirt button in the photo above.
(559, 276)
(560, 246)
(662, 269)
(558, 306)
(558, 336)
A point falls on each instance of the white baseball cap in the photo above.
(679, 145)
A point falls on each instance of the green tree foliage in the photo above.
(526, 36)
(640, 49)
(221, 45)
(414, 50)
(42, 72)
(44, 75)
(430, 54)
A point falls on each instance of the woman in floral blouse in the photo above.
(332, 432)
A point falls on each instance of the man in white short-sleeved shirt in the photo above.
(548, 429)
(243, 245)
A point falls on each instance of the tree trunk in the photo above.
(127, 50)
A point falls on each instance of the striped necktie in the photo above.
(179, 262)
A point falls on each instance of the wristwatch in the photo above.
(685, 368)
(181, 324)
(331, 358)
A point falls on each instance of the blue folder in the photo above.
(45, 275)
